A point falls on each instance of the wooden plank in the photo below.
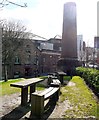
(25, 83)
(37, 104)
(56, 81)
(46, 91)
(61, 73)
(33, 105)
(48, 95)
(32, 89)
(43, 92)
(55, 85)
(24, 96)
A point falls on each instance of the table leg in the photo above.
(32, 89)
(61, 79)
(24, 96)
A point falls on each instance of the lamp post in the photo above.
(93, 57)
(36, 64)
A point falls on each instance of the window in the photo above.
(43, 59)
(28, 50)
(27, 46)
(16, 74)
(60, 48)
(17, 61)
(28, 59)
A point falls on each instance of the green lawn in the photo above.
(82, 102)
(7, 89)
(67, 78)
(81, 99)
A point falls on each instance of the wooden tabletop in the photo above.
(26, 83)
(61, 73)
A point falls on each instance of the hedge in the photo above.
(91, 77)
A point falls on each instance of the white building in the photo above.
(80, 51)
(46, 46)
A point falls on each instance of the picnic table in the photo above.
(24, 88)
(61, 74)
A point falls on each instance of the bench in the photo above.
(50, 79)
(55, 83)
(38, 98)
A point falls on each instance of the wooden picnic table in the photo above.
(61, 74)
(24, 88)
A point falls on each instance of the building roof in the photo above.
(51, 52)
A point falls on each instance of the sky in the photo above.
(45, 17)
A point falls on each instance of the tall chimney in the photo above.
(68, 60)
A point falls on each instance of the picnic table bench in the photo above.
(51, 76)
(55, 83)
(38, 98)
(24, 88)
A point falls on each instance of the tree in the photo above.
(13, 35)
(4, 3)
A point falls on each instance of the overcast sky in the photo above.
(45, 17)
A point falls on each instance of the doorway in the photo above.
(27, 71)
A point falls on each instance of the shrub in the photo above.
(91, 76)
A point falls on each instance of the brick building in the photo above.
(36, 57)
(50, 54)
(25, 61)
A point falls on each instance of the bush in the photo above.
(91, 76)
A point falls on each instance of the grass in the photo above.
(7, 89)
(43, 77)
(67, 78)
(82, 102)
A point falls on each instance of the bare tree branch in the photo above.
(25, 4)
(4, 3)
